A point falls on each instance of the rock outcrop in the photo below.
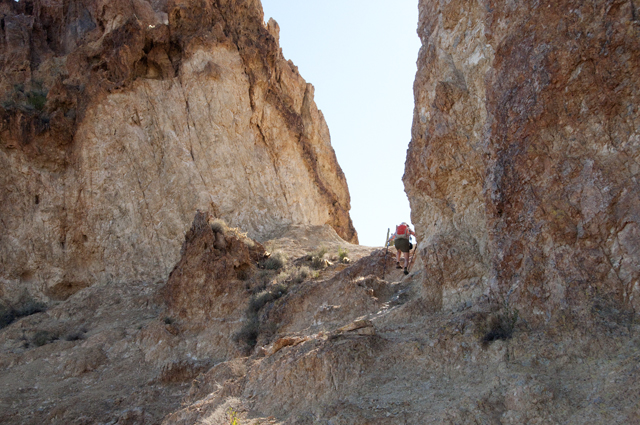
(522, 169)
(121, 118)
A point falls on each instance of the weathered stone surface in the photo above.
(523, 163)
(206, 291)
(120, 119)
(344, 347)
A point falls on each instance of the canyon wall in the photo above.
(121, 118)
(522, 169)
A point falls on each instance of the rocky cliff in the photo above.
(522, 169)
(520, 310)
(121, 118)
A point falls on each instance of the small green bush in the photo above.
(342, 253)
(37, 99)
(27, 100)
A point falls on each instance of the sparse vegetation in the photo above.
(219, 226)
(276, 261)
(43, 337)
(37, 99)
(266, 290)
(317, 258)
(260, 299)
(343, 254)
(320, 253)
(261, 280)
(233, 417)
(26, 100)
(75, 335)
(498, 325)
(25, 307)
(297, 275)
(168, 321)
(248, 334)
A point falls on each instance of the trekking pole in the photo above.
(386, 242)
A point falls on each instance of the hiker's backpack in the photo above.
(403, 231)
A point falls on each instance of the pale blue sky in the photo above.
(361, 57)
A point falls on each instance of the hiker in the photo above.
(401, 241)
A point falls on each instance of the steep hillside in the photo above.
(128, 352)
(293, 340)
(121, 118)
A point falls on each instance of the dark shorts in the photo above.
(402, 245)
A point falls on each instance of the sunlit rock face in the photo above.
(121, 118)
(522, 169)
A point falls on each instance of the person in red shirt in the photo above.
(401, 240)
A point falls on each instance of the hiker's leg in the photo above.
(406, 259)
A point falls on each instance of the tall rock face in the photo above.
(121, 118)
(522, 169)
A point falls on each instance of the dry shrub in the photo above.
(43, 337)
(276, 261)
(76, 335)
(497, 325)
(25, 307)
(317, 258)
(219, 226)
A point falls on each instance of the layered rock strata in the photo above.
(522, 169)
(121, 118)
